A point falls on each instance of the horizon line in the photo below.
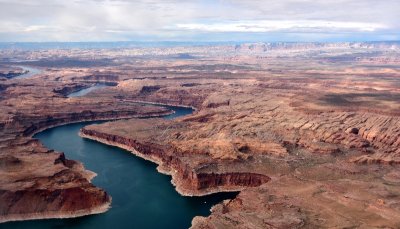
(172, 41)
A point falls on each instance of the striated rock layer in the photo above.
(38, 183)
(186, 171)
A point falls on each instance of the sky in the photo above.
(197, 20)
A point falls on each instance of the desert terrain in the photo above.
(308, 133)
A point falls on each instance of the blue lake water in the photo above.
(141, 197)
(31, 72)
(86, 90)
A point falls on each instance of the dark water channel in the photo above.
(142, 197)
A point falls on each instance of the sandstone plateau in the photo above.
(308, 133)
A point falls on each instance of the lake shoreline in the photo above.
(97, 209)
(56, 215)
(163, 168)
(84, 212)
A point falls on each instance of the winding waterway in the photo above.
(31, 72)
(141, 197)
(86, 90)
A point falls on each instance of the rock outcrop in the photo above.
(186, 173)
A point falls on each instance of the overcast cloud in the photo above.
(264, 20)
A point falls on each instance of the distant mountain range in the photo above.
(238, 45)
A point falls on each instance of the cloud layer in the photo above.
(110, 20)
(306, 26)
